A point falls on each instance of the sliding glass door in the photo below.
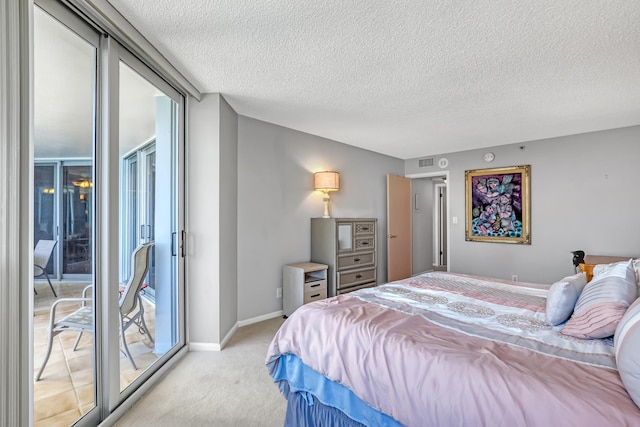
(63, 212)
(108, 191)
(149, 155)
(65, 94)
(139, 206)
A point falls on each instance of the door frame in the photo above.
(436, 174)
(438, 222)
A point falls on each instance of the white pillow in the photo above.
(627, 346)
(562, 297)
(606, 269)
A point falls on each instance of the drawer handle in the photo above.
(365, 243)
(314, 295)
(358, 276)
(356, 260)
(315, 286)
(365, 228)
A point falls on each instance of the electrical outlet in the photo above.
(279, 293)
(514, 278)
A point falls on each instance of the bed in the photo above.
(445, 349)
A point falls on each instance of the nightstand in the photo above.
(304, 282)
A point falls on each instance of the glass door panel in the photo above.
(150, 214)
(65, 64)
(77, 213)
(148, 149)
(44, 209)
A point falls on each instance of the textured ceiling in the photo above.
(409, 78)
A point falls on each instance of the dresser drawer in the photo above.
(352, 278)
(355, 288)
(364, 228)
(315, 286)
(315, 295)
(360, 260)
(364, 243)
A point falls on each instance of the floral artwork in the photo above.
(497, 205)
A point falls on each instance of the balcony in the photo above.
(66, 389)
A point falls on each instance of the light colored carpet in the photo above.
(227, 388)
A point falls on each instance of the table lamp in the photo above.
(326, 181)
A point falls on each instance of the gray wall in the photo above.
(276, 201)
(584, 195)
(228, 217)
(211, 262)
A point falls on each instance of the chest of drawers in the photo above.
(348, 247)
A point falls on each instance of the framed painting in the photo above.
(497, 205)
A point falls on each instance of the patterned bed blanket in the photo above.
(449, 349)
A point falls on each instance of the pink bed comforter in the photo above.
(425, 374)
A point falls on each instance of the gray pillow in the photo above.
(562, 297)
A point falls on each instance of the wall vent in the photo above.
(424, 163)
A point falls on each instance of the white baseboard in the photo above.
(204, 346)
(207, 346)
(211, 346)
(260, 318)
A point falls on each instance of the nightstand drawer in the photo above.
(315, 295)
(352, 278)
(315, 286)
(355, 260)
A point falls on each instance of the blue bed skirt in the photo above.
(302, 413)
(314, 400)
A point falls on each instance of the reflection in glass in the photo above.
(77, 210)
(43, 207)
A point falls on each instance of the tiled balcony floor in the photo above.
(66, 389)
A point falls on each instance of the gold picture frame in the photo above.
(497, 205)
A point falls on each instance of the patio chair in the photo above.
(41, 255)
(131, 309)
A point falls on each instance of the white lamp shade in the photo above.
(326, 181)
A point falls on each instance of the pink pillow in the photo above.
(602, 303)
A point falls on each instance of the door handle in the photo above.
(392, 236)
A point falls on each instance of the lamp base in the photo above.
(326, 199)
